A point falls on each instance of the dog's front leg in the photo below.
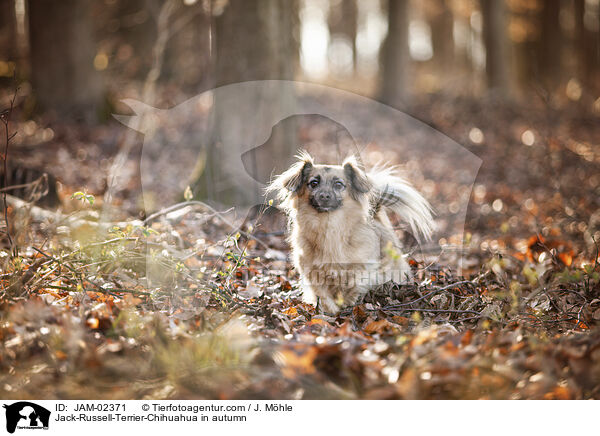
(318, 297)
(328, 305)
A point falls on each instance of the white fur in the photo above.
(411, 207)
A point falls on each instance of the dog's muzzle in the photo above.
(325, 201)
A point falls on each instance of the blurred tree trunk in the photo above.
(8, 31)
(550, 43)
(62, 58)
(394, 56)
(136, 29)
(524, 47)
(343, 21)
(251, 42)
(586, 48)
(442, 38)
(254, 42)
(463, 45)
(495, 40)
(187, 57)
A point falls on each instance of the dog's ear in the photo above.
(294, 179)
(359, 184)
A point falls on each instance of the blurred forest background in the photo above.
(515, 82)
(78, 58)
(447, 62)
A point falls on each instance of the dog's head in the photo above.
(324, 187)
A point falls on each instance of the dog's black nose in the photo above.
(324, 196)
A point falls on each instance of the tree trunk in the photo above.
(495, 40)
(584, 45)
(525, 52)
(442, 39)
(550, 44)
(187, 57)
(253, 41)
(394, 55)
(8, 31)
(343, 21)
(137, 28)
(62, 58)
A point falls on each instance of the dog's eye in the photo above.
(338, 185)
(313, 183)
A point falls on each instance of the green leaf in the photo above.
(83, 196)
(188, 194)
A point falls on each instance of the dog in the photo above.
(342, 241)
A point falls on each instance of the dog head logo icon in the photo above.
(24, 414)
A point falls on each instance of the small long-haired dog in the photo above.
(343, 243)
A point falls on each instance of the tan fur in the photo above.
(343, 253)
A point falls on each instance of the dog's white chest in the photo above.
(336, 241)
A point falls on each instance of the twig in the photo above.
(215, 213)
(70, 268)
(238, 261)
(414, 309)
(55, 260)
(27, 276)
(181, 205)
(5, 118)
(469, 318)
(433, 292)
(22, 185)
(110, 291)
(587, 286)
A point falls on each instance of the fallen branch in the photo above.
(58, 218)
(411, 309)
(216, 213)
(433, 292)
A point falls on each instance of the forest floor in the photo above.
(221, 315)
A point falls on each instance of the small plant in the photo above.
(84, 197)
